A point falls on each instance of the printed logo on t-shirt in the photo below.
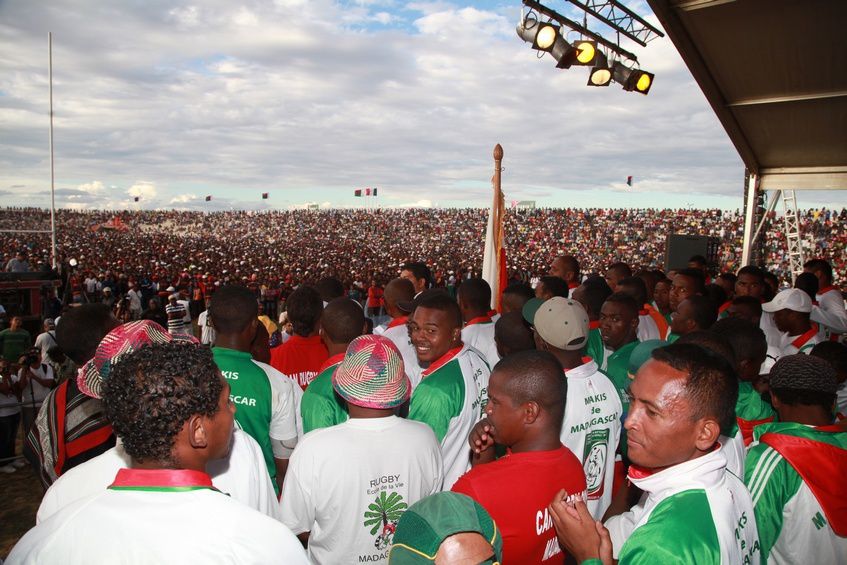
(594, 461)
(382, 516)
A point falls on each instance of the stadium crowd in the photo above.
(600, 409)
(282, 249)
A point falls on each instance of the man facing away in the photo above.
(300, 357)
(526, 406)
(396, 291)
(349, 484)
(692, 510)
(170, 407)
(343, 321)
(241, 474)
(474, 302)
(795, 469)
(267, 405)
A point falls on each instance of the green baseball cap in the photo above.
(433, 519)
(530, 307)
(642, 352)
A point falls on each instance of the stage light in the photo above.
(633, 80)
(586, 52)
(601, 72)
(542, 35)
(564, 53)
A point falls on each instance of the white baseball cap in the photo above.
(791, 299)
(561, 322)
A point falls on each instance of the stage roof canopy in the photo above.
(775, 73)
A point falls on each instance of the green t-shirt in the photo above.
(321, 407)
(13, 343)
(617, 369)
(594, 347)
(250, 391)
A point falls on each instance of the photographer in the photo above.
(10, 415)
(35, 379)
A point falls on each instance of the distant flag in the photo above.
(629, 180)
(136, 198)
(374, 191)
(264, 196)
(367, 192)
(208, 199)
(357, 193)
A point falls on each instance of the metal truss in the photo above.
(620, 18)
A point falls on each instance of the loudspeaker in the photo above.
(680, 248)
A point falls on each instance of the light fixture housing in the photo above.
(564, 53)
(601, 73)
(632, 80)
(542, 35)
(586, 52)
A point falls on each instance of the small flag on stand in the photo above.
(264, 196)
(208, 199)
(357, 193)
(629, 180)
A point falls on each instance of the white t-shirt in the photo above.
(242, 475)
(480, 336)
(34, 391)
(45, 341)
(9, 402)
(207, 332)
(592, 429)
(830, 311)
(287, 396)
(349, 484)
(140, 527)
(399, 335)
(647, 328)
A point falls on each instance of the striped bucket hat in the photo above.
(372, 374)
(124, 339)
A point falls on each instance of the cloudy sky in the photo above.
(171, 101)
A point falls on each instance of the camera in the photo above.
(30, 357)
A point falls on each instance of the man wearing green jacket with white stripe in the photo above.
(693, 510)
(796, 469)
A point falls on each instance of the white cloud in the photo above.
(312, 99)
(183, 198)
(143, 189)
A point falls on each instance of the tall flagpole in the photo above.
(52, 171)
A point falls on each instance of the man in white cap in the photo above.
(388, 462)
(791, 311)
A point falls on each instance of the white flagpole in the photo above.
(52, 171)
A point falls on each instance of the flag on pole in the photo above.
(367, 192)
(629, 180)
(494, 256)
(357, 193)
(136, 198)
(374, 191)
(264, 196)
(208, 199)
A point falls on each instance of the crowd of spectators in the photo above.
(281, 249)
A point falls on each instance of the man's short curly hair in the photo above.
(152, 392)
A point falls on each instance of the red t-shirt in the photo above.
(516, 490)
(300, 358)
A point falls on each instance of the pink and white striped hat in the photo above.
(124, 339)
(372, 374)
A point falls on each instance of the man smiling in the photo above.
(454, 386)
(693, 510)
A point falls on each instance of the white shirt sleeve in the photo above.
(283, 405)
(296, 505)
(831, 312)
